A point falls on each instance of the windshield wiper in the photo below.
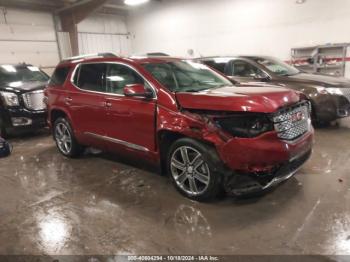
(194, 90)
(204, 89)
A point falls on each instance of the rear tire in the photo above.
(193, 169)
(65, 140)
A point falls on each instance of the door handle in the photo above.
(68, 100)
(107, 104)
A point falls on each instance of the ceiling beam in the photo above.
(81, 9)
(72, 15)
(74, 5)
(40, 5)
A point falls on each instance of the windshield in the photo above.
(278, 67)
(9, 73)
(186, 76)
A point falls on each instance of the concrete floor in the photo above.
(99, 205)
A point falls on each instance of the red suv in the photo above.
(206, 133)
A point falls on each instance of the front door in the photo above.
(131, 120)
(242, 71)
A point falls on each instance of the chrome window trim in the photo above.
(155, 97)
(117, 141)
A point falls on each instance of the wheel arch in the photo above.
(165, 138)
(56, 113)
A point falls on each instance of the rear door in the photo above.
(87, 103)
(130, 120)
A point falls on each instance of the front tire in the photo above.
(193, 169)
(3, 132)
(65, 140)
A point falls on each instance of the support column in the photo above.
(72, 15)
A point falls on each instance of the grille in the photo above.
(293, 122)
(34, 100)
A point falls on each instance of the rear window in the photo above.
(59, 76)
(90, 77)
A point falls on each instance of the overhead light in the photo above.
(300, 1)
(33, 68)
(135, 2)
(9, 68)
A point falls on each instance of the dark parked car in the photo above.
(202, 130)
(21, 98)
(330, 96)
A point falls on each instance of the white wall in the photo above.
(27, 36)
(214, 27)
(104, 33)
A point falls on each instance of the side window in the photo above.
(217, 66)
(90, 77)
(242, 68)
(59, 76)
(118, 76)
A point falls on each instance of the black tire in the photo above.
(321, 124)
(75, 149)
(316, 122)
(3, 132)
(211, 162)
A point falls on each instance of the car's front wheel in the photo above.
(193, 170)
(65, 139)
(3, 132)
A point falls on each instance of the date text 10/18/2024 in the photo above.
(173, 258)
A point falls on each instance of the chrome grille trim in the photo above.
(287, 124)
(34, 100)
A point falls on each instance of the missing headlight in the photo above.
(245, 125)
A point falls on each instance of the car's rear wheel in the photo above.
(193, 170)
(65, 139)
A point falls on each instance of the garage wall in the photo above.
(104, 33)
(28, 36)
(213, 27)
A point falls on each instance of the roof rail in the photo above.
(103, 55)
(156, 54)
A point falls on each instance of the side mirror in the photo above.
(137, 90)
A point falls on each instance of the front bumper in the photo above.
(260, 163)
(329, 107)
(263, 153)
(32, 120)
(248, 184)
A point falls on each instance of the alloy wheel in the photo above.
(63, 138)
(189, 170)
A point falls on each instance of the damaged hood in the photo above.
(253, 98)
